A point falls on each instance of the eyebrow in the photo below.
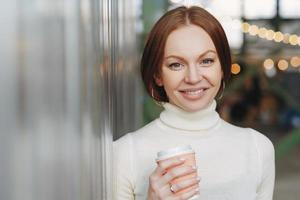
(201, 55)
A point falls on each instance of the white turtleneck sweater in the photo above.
(234, 163)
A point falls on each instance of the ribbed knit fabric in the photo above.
(234, 163)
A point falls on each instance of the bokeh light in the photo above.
(268, 63)
(270, 34)
(253, 30)
(235, 68)
(245, 27)
(278, 37)
(270, 72)
(262, 32)
(283, 64)
(293, 39)
(286, 38)
(295, 61)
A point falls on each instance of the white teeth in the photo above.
(194, 92)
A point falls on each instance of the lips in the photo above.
(191, 90)
(192, 93)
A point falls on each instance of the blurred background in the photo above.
(70, 85)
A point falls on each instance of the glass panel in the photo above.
(230, 8)
(233, 33)
(259, 9)
(289, 8)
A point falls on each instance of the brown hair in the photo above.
(153, 54)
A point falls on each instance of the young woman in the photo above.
(185, 65)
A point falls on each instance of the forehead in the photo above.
(190, 40)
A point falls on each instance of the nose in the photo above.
(192, 75)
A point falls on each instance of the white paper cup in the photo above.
(185, 152)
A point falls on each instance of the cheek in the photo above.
(215, 75)
(172, 80)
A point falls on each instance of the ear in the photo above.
(158, 80)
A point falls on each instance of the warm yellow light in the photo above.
(245, 27)
(270, 35)
(295, 61)
(268, 63)
(253, 30)
(293, 40)
(278, 37)
(262, 32)
(235, 68)
(286, 38)
(283, 65)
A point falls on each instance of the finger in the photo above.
(177, 172)
(185, 184)
(189, 193)
(169, 163)
(157, 179)
(163, 165)
(165, 191)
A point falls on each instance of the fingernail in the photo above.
(198, 178)
(194, 167)
(182, 159)
(197, 189)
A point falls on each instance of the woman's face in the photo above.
(191, 72)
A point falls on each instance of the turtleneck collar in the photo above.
(178, 118)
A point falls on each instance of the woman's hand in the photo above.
(167, 170)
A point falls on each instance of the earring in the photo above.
(223, 88)
(155, 101)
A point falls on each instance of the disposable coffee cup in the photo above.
(188, 154)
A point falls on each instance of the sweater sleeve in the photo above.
(266, 156)
(123, 177)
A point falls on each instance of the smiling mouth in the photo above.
(192, 92)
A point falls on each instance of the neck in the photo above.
(178, 118)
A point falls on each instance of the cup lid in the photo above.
(174, 152)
